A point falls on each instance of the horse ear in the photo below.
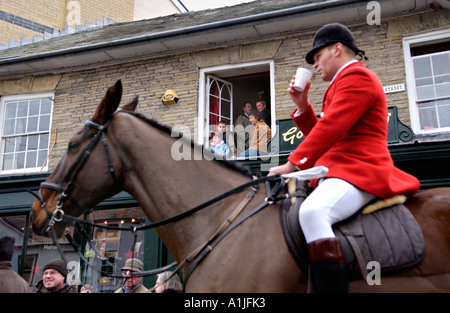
(109, 104)
(131, 106)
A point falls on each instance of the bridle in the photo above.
(65, 186)
(274, 185)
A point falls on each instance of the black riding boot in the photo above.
(329, 273)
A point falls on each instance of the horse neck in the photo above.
(164, 187)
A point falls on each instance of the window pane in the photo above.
(41, 157)
(44, 123)
(441, 64)
(444, 112)
(32, 124)
(22, 109)
(21, 125)
(46, 106)
(9, 127)
(428, 119)
(424, 81)
(8, 161)
(9, 145)
(226, 108)
(31, 159)
(422, 67)
(34, 107)
(11, 108)
(424, 93)
(33, 142)
(443, 90)
(43, 141)
(20, 160)
(21, 143)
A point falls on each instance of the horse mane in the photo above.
(230, 164)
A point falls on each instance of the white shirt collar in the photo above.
(342, 67)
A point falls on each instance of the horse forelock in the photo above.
(230, 164)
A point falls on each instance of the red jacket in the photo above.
(350, 138)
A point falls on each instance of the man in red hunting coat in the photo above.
(350, 139)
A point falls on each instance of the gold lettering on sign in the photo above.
(291, 134)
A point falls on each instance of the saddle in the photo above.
(390, 236)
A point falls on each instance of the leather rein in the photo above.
(274, 185)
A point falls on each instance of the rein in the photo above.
(197, 255)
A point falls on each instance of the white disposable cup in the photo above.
(302, 76)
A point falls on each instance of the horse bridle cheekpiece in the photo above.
(65, 187)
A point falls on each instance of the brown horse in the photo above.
(251, 258)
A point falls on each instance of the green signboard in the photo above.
(288, 136)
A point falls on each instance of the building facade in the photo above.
(214, 60)
(27, 21)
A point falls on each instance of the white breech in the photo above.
(332, 201)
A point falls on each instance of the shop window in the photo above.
(25, 132)
(427, 59)
(112, 248)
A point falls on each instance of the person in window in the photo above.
(261, 136)
(219, 147)
(261, 106)
(10, 281)
(54, 278)
(242, 128)
(132, 283)
(350, 139)
(227, 137)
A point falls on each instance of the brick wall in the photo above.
(27, 18)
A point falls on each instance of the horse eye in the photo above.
(73, 145)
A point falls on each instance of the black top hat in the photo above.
(331, 34)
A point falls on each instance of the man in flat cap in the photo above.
(350, 139)
(132, 282)
(54, 276)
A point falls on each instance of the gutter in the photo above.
(310, 7)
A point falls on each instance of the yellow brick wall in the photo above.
(54, 14)
(9, 31)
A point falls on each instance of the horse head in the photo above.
(73, 186)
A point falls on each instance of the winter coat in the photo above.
(350, 138)
(222, 149)
(65, 289)
(10, 281)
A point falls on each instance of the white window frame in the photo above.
(24, 97)
(203, 109)
(408, 43)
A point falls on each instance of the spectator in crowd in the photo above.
(167, 284)
(242, 128)
(10, 281)
(261, 106)
(132, 283)
(261, 136)
(54, 278)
